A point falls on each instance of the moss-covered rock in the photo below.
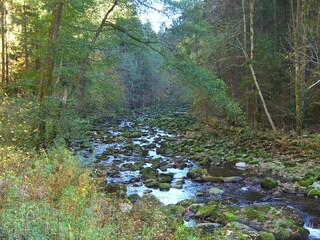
(228, 217)
(210, 210)
(313, 193)
(149, 173)
(185, 203)
(265, 236)
(208, 227)
(164, 186)
(197, 172)
(307, 181)
(166, 178)
(152, 184)
(269, 183)
(115, 187)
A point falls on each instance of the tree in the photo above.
(46, 82)
(250, 63)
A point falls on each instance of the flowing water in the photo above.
(243, 193)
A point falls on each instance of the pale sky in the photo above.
(156, 18)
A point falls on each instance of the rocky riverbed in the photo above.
(210, 185)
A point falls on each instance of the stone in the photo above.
(215, 190)
(125, 207)
(269, 183)
(209, 178)
(149, 172)
(242, 226)
(134, 197)
(176, 186)
(316, 185)
(196, 206)
(208, 227)
(137, 184)
(287, 188)
(165, 178)
(185, 203)
(207, 211)
(233, 179)
(241, 165)
(265, 236)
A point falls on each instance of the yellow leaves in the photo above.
(85, 185)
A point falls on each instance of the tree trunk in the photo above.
(46, 83)
(298, 64)
(3, 42)
(25, 44)
(252, 69)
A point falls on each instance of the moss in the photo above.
(176, 210)
(269, 183)
(281, 234)
(314, 192)
(153, 184)
(265, 236)
(307, 181)
(197, 172)
(254, 162)
(149, 173)
(207, 211)
(229, 217)
(165, 178)
(164, 186)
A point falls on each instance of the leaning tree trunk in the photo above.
(250, 61)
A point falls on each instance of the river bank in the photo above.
(214, 177)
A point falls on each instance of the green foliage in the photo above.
(204, 85)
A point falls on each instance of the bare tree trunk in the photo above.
(244, 25)
(298, 64)
(252, 69)
(3, 42)
(26, 54)
(7, 46)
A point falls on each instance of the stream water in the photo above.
(109, 149)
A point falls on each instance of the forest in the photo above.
(160, 119)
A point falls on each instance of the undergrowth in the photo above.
(49, 195)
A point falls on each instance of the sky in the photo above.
(156, 18)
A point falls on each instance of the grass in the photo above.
(51, 196)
